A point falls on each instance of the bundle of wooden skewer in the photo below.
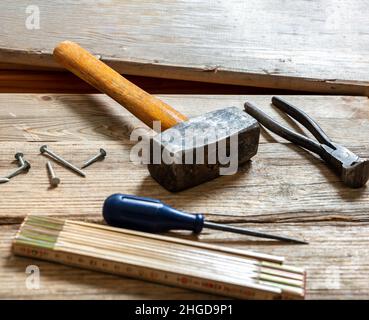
(169, 260)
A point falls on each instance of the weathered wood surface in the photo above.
(315, 46)
(284, 190)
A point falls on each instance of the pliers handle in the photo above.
(354, 171)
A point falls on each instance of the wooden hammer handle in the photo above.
(144, 106)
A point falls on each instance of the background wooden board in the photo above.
(318, 46)
(40, 81)
(284, 190)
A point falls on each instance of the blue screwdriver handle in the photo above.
(148, 215)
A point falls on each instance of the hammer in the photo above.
(198, 149)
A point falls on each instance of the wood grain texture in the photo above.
(318, 46)
(284, 190)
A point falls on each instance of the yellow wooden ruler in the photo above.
(168, 260)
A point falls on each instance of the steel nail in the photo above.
(100, 156)
(19, 156)
(44, 149)
(25, 167)
(4, 180)
(53, 178)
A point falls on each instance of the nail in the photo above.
(53, 178)
(21, 169)
(19, 156)
(44, 149)
(100, 156)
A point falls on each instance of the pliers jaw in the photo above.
(354, 171)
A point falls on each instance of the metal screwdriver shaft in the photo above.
(44, 149)
(223, 227)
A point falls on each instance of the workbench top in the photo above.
(283, 190)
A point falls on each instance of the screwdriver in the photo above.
(152, 215)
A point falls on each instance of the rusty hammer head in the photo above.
(202, 148)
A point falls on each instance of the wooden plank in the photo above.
(283, 182)
(280, 185)
(336, 260)
(95, 117)
(311, 45)
(285, 190)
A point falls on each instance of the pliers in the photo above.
(354, 171)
